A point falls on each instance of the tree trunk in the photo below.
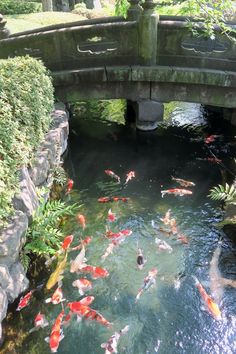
(47, 5)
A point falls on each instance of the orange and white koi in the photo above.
(78, 261)
(56, 298)
(96, 272)
(111, 216)
(96, 316)
(70, 184)
(129, 176)
(39, 322)
(140, 259)
(24, 300)
(166, 219)
(82, 310)
(113, 175)
(182, 238)
(83, 285)
(56, 333)
(111, 344)
(84, 243)
(148, 281)
(183, 182)
(109, 250)
(211, 306)
(176, 191)
(173, 226)
(163, 245)
(81, 220)
(64, 246)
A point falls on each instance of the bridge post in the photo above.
(4, 32)
(134, 10)
(148, 33)
(148, 113)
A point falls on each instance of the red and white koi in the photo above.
(56, 298)
(78, 261)
(176, 191)
(211, 306)
(85, 311)
(129, 176)
(111, 344)
(119, 234)
(39, 322)
(64, 246)
(166, 219)
(56, 333)
(163, 245)
(113, 175)
(83, 285)
(111, 216)
(96, 272)
(24, 300)
(211, 138)
(148, 282)
(81, 220)
(69, 187)
(183, 182)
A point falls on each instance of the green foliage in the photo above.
(26, 101)
(121, 7)
(225, 193)
(44, 234)
(59, 176)
(12, 7)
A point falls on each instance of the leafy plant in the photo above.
(12, 7)
(225, 193)
(44, 234)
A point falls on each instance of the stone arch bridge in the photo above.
(146, 59)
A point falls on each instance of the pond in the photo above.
(170, 316)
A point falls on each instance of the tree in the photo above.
(47, 5)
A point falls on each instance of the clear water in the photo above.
(166, 320)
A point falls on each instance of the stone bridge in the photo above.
(146, 58)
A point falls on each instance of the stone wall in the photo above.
(13, 279)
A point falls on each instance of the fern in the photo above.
(225, 193)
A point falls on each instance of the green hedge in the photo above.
(26, 100)
(13, 7)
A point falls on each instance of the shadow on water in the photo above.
(166, 319)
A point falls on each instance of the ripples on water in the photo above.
(166, 320)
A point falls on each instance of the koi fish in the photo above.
(111, 217)
(183, 182)
(123, 199)
(210, 159)
(119, 234)
(140, 259)
(109, 250)
(183, 239)
(176, 191)
(39, 322)
(83, 285)
(78, 261)
(81, 219)
(211, 138)
(96, 316)
(166, 219)
(24, 300)
(56, 333)
(70, 184)
(87, 300)
(148, 281)
(56, 298)
(84, 243)
(85, 311)
(210, 304)
(113, 175)
(173, 226)
(163, 245)
(57, 276)
(64, 246)
(217, 282)
(111, 344)
(96, 272)
(104, 199)
(112, 199)
(129, 176)
(165, 232)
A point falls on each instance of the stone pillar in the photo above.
(4, 32)
(148, 113)
(134, 10)
(148, 33)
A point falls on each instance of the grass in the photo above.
(24, 22)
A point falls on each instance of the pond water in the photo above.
(167, 318)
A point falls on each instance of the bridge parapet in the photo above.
(4, 32)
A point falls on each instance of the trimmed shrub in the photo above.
(26, 101)
(13, 7)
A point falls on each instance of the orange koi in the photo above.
(123, 199)
(176, 191)
(24, 300)
(83, 285)
(111, 217)
(96, 316)
(183, 239)
(113, 175)
(56, 298)
(183, 182)
(96, 272)
(210, 304)
(64, 246)
(70, 184)
(81, 219)
(56, 333)
(129, 176)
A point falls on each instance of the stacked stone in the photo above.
(4, 32)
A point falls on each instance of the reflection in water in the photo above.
(168, 318)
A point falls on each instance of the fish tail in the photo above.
(228, 282)
(48, 300)
(196, 280)
(138, 295)
(163, 193)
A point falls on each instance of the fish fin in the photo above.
(79, 319)
(228, 282)
(46, 323)
(47, 339)
(81, 292)
(59, 282)
(33, 329)
(196, 279)
(61, 336)
(103, 345)
(48, 300)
